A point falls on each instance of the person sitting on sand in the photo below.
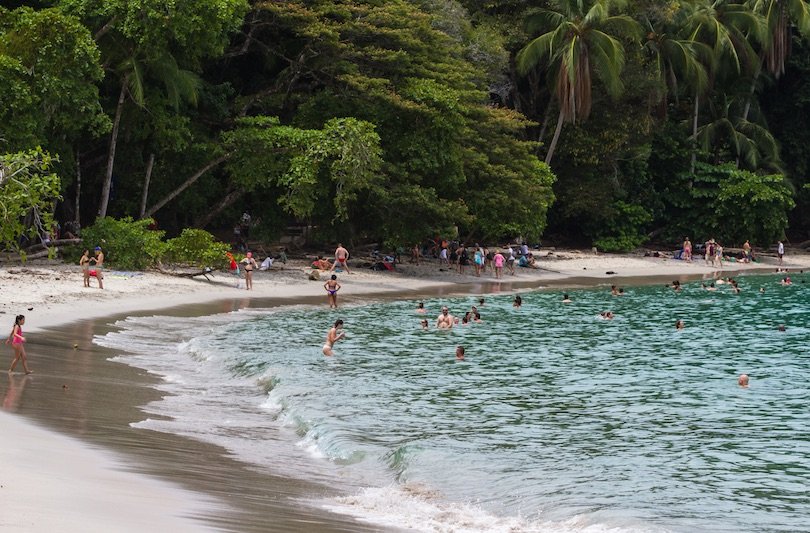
(742, 381)
(445, 319)
(459, 353)
(322, 264)
(335, 334)
(566, 299)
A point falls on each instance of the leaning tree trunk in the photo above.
(227, 201)
(105, 189)
(694, 135)
(751, 92)
(556, 137)
(185, 185)
(76, 217)
(146, 181)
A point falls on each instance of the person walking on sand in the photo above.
(250, 265)
(99, 261)
(335, 334)
(780, 251)
(84, 262)
(332, 287)
(17, 344)
(341, 258)
(498, 260)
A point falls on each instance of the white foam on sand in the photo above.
(50, 482)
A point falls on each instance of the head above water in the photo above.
(742, 381)
(338, 323)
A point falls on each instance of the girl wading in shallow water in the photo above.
(17, 340)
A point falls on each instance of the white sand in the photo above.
(51, 482)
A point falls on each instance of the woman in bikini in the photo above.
(332, 286)
(17, 340)
(333, 336)
(84, 262)
(250, 264)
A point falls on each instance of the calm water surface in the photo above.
(556, 421)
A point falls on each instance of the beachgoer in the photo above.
(84, 262)
(477, 316)
(332, 287)
(621, 291)
(481, 302)
(524, 249)
(333, 336)
(415, 254)
(742, 381)
(566, 299)
(443, 258)
(614, 291)
(99, 261)
(250, 264)
(421, 308)
(498, 260)
(518, 302)
(510, 260)
(718, 255)
(341, 258)
(459, 353)
(424, 324)
(780, 251)
(463, 258)
(445, 319)
(687, 250)
(708, 249)
(467, 318)
(322, 263)
(747, 252)
(679, 324)
(607, 315)
(18, 344)
(478, 259)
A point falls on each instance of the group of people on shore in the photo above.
(713, 253)
(97, 260)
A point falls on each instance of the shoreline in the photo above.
(79, 323)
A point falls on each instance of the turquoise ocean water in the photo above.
(556, 421)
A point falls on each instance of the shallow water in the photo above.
(556, 421)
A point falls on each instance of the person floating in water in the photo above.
(445, 319)
(459, 353)
(332, 287)
(335, 334)
(18, 344)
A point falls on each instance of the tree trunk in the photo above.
(751, 93)
(185, 185)
(556, 137)
(146, 180)
(76, 217)
(694, 135)
(227, 201)
(546, 117)
(105, 189)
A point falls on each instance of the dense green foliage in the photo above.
(597, 122)
(196, 248)
(127, 243)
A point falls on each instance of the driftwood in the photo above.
(58, 242)
(204, 272)
(18, 258)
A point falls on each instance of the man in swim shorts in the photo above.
(99, 261)
(341, 258)
(445, 319)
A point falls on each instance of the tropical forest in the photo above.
(603, 123)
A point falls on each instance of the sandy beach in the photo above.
(71, 460)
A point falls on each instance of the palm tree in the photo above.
(179, 85)
(580, 42)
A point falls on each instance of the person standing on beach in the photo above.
(17, 344)
(780, 251)
(84, 262)
(99, 261)
(687, 250)
(332, 287)
(498, 260)
(510, 260)
(747, 252)
(333, 336)
(250, 265)
(463, 258)
(341, 258)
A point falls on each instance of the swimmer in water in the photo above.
(335, 334)
(421, 308)
(679, 324)
(518, 302)
(424, 324)
(459, 353)
(566, 299)
(614, 291)
(332, 287)
(742, 381)
(466, 319)
(782, 327)
(445, 319)
(477, 317)
(607, 315)
(481, 301)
